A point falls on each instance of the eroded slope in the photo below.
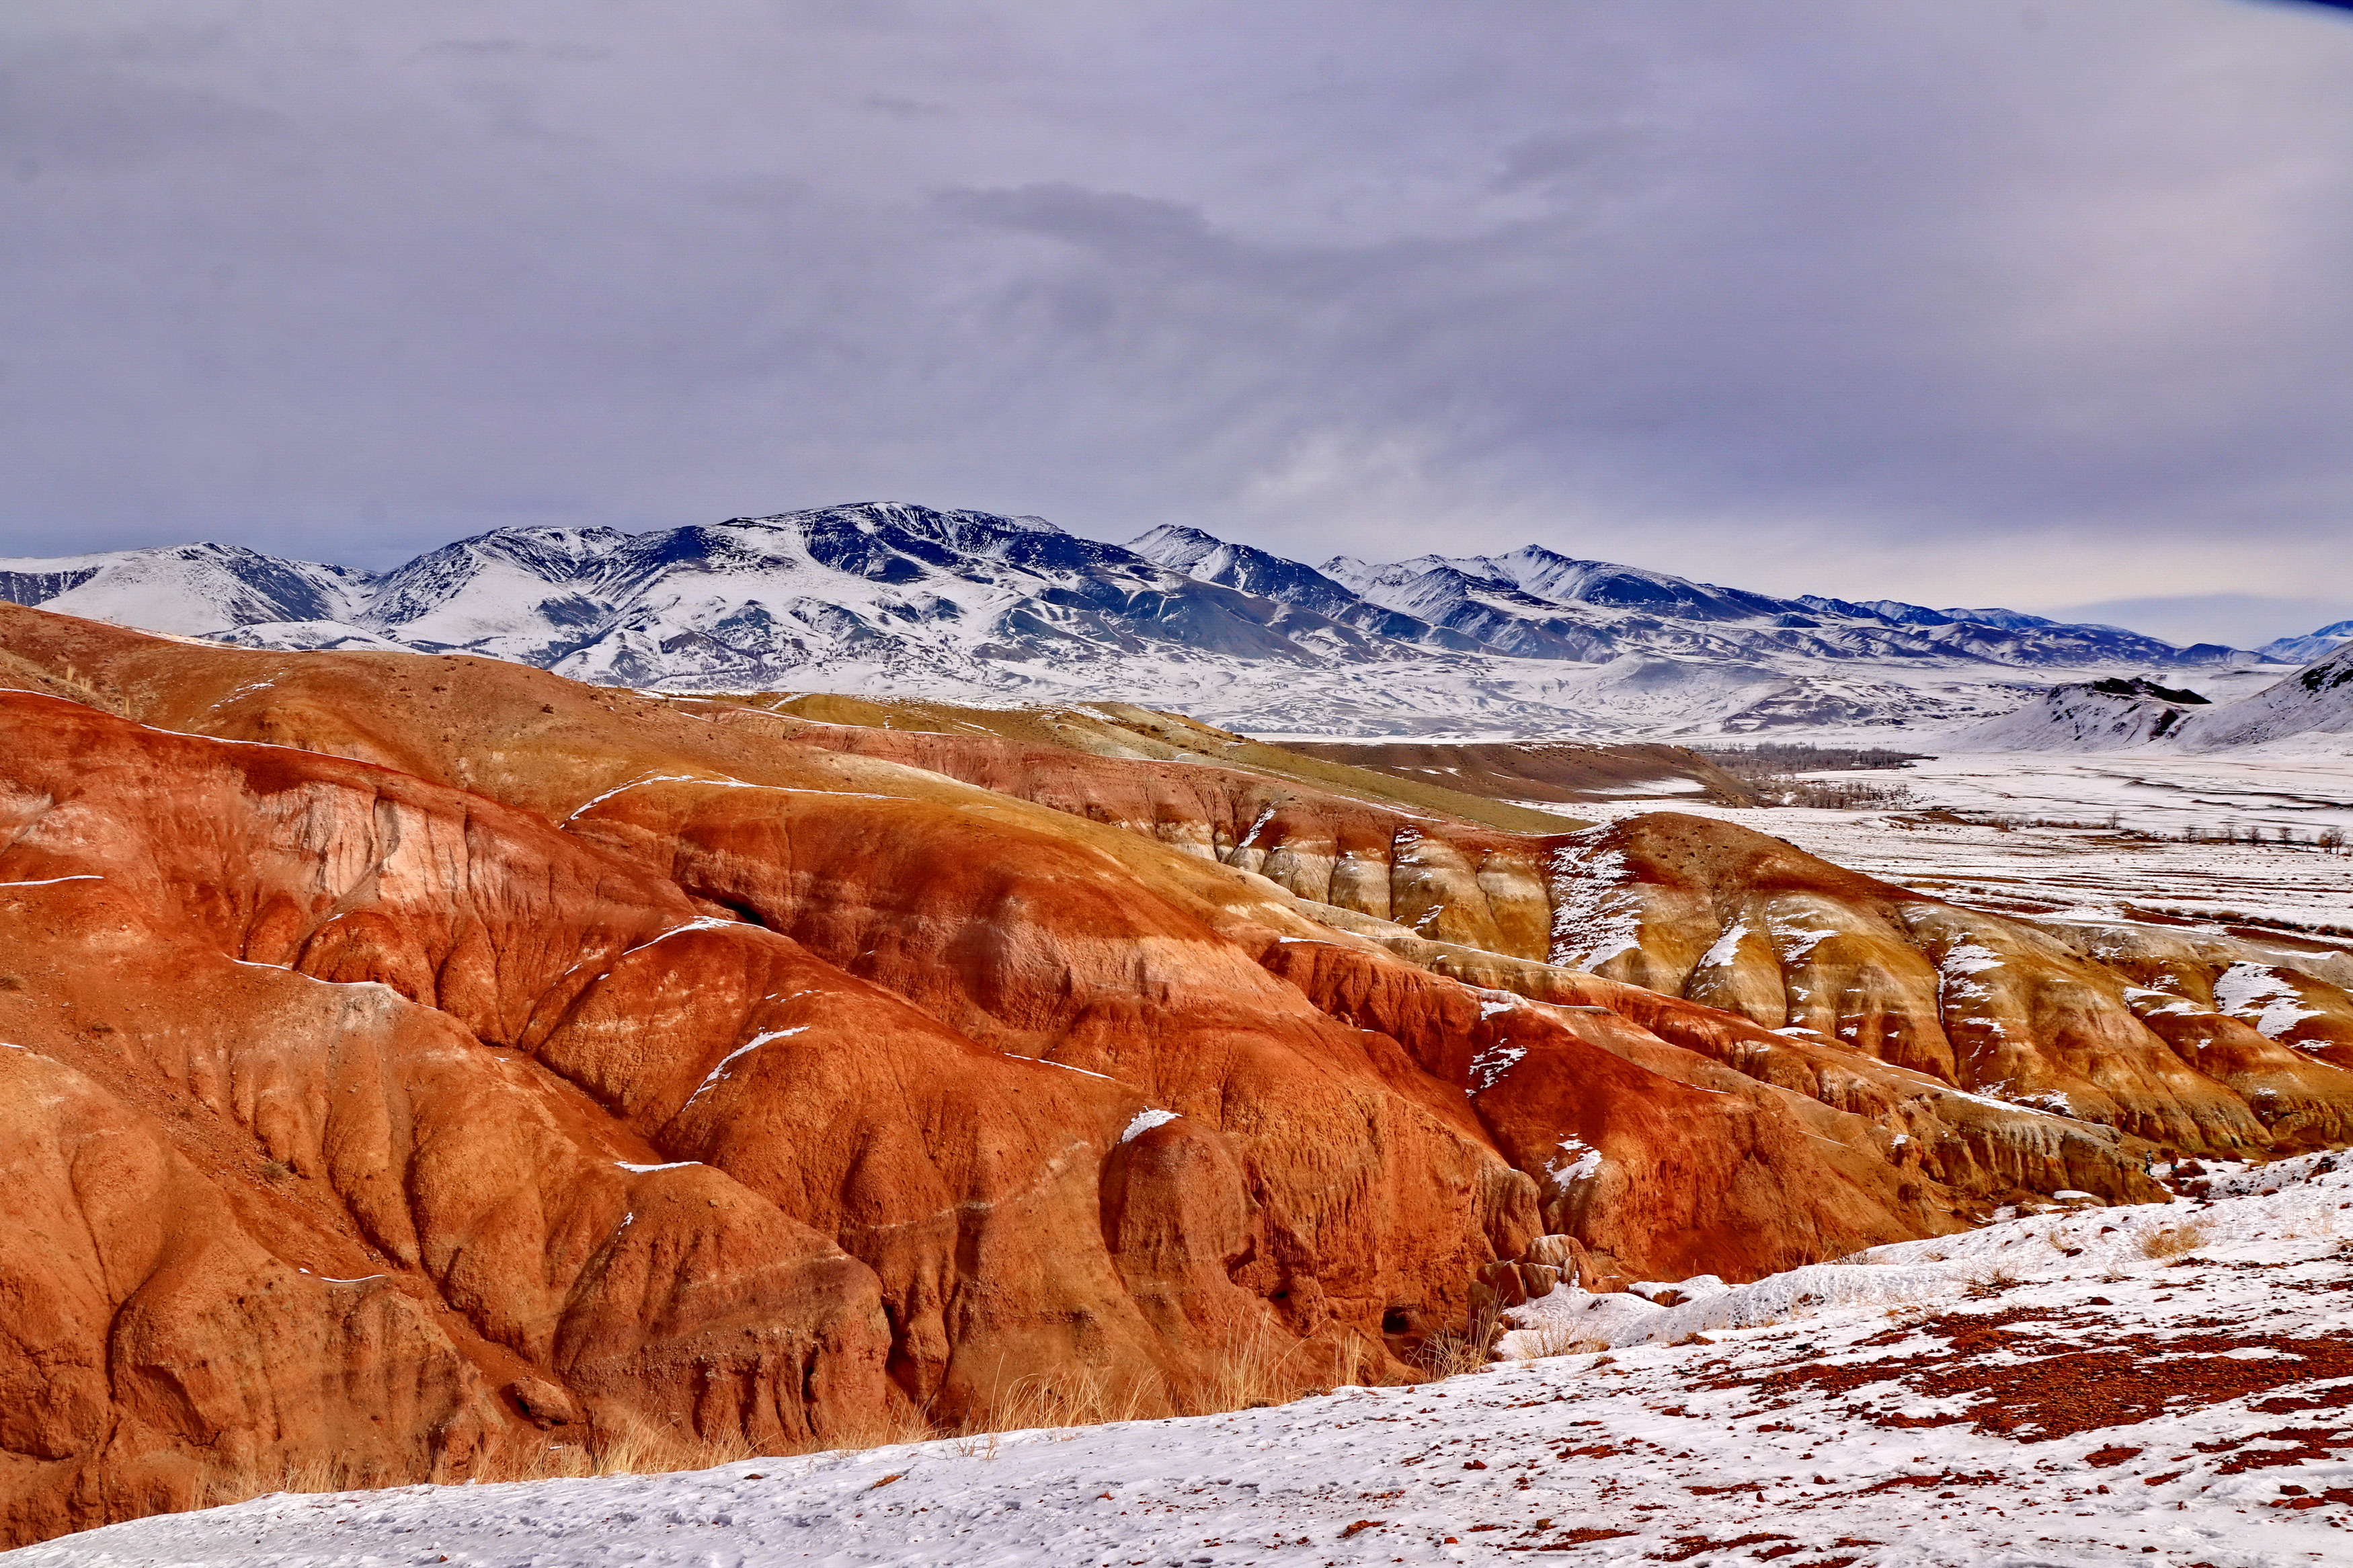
(419, 1060)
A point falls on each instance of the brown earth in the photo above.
(420, 1059)
(1561, 772)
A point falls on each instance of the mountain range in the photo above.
(2314, 704)
(896, 597)
(2305, 649)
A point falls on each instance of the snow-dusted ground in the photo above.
(2152, 790)
(2040, 1391)
(2088, 872)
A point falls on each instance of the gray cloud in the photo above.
(1968, 304)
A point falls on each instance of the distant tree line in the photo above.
(1779, 758)
(1775, 770)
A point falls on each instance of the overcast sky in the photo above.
(2039, 304)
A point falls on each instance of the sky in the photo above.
(2035, 304)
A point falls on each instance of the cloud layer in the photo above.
(2027, 303)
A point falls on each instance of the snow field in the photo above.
(2085, 872)
(2075, 1241)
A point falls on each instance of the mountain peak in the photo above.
(1176, 546)
(912, 515)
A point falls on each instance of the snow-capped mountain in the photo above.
(1253, 571)
(1537, 601)
(977, 606)
(2096, 715)
(901, 593)
(2299, 650)
(2314, 705)
(188, 590)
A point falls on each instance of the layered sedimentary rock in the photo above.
(415, 1057)
(2048, 1020)
(418, 1060)
(2211, 1044)
(1452, 880)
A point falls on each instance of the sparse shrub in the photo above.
(1992, 1283)
(980, 1444)
(1450, 1352)
(1552, 1339)
(74, 687)
(1258, 1366)
(2173, 1240)
(1774, 759)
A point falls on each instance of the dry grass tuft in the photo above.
(74, 687)
(1552, 1339)
(1081, 1396)
(2173, 1240)
(1254, 1365)
(883, 1427)
(644, 1449)
(329, 1473)
(1450, 1352)
(1258, 1366)
(1992, 1283)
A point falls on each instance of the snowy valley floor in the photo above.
(2086, 872)
(2170, 1384)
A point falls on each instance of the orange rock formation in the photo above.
(407, 1059)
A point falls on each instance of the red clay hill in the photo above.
(414, 1061)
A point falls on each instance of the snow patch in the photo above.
(2262, 996)
(705, 923)
(1578, 1162)
(1594, 917)
(1726, 949)
(1146, 1120)
(1493, 1063)
(720, 1074)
